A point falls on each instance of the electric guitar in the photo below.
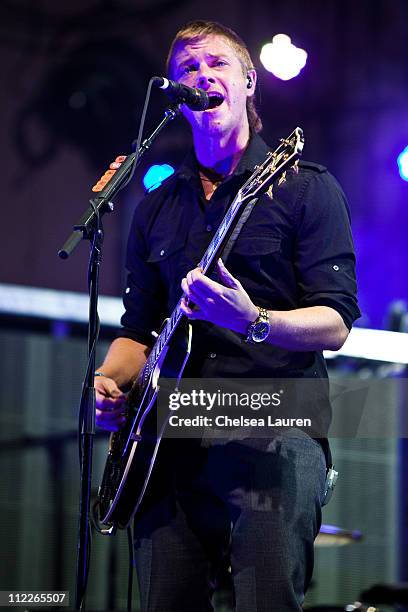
(133, 449)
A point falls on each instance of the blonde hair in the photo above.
(196, 30)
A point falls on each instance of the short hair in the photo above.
(196, 30)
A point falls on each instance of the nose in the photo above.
(204, 77)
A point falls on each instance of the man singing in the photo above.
(285, 293)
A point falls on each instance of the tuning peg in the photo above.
(282, 179)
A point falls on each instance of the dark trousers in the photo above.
(253, 506)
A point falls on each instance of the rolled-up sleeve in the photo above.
(324, 251)
(143, 297)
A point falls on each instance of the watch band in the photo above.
(261, 323)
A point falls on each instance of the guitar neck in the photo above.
(218, 241)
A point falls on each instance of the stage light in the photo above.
(156, 175)
(283, 58)
(403, 164)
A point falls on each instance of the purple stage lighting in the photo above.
(403, 164)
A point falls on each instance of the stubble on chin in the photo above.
(208, 127)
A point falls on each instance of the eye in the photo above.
(220, 63)
(187, 69)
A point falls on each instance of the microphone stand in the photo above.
(89, 227)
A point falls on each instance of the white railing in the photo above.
(373, 344)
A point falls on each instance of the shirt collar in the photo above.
(255, 153)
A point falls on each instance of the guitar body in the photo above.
(133, 449)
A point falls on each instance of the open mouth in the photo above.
(216, 99)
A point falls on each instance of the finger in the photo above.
(114, 396)
(202, 287)
(110, 428)
(188, 311)
(108, 403)
(226, 277)
(195, 300)
(108, 392)
(109, 416)
(117, 394)
(108, 388)
(110, 425)
(116, 417)
(184, 285)
(193, 276)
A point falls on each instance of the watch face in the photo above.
(260, 331)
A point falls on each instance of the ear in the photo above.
(252, 75)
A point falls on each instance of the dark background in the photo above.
(73, 81)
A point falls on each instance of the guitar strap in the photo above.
(237, 229)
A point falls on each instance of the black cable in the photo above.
(95, 340)
(94, 247)
(129, 533)
(136, 146)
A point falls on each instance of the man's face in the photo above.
(212, 65)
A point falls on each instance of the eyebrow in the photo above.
(190, 59)
(209, 54)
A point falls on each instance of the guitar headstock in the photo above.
(275, 166)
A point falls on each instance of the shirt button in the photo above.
(162, 253)
(212, 355)
(209, 228)
(336, 268)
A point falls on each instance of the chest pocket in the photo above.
(254, 245)
(168, 257)
(162, 251)
(167, 238)
(255, 256)
(168, 242)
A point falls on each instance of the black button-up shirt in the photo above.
(294, 251)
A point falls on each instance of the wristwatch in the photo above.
(259, 330)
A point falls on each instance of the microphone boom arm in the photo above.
(102, 204)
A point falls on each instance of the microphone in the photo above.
(196, 99)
